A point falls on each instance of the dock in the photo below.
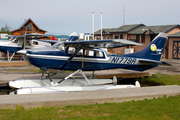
(87, 97)
(120, 73)
(13, 63)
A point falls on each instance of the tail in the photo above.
(73, 37)
(154, 50)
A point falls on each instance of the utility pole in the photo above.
(93, 24)
(101, 26)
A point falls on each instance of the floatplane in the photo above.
(82, 56)
(27, 41)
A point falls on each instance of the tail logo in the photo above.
(153, 47)
(155, 50)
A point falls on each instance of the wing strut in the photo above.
(72, 56)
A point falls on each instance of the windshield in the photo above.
(12, 38)
(57, 45)
(108, 53)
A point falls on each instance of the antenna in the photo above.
(124, 16)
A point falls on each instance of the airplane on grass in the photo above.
(27, 41)
(87, 56)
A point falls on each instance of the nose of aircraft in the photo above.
(22, 51)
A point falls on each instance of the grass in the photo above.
(160, 108)
(35, 70)
(160, 79)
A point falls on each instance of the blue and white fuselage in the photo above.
(8, 45)
(67, 56)
(18, 44)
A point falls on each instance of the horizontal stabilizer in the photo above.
(155, 62)
(165, 63)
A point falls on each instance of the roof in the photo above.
(154, 29)
(175, 35)
(127, 28)
(107, 31)
(27, 22)
(122, 29)
(138, 29)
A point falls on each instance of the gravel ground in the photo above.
(162, 69)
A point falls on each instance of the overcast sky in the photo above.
(67, 16)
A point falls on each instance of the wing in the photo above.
(30, 36)
(113, 43)
(11, 36)
(52, 42)
(34, 36)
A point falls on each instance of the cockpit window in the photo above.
(14, 40)
(56, 45)
(71, 50)
(109, 54)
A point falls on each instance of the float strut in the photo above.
(71, 75)
(50, 78)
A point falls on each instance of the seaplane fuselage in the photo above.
(63, 57)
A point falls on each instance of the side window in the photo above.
(71, 50)
(99, 54)
(121, 36)
(143, 38)
(116, 36)
(80, 52)
(28, 43)
(137, 38)
(29, 27)
(89, 53)
(35, 42)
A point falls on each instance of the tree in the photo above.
(5, 29)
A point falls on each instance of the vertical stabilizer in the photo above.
(73, 37)
(154, 50)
